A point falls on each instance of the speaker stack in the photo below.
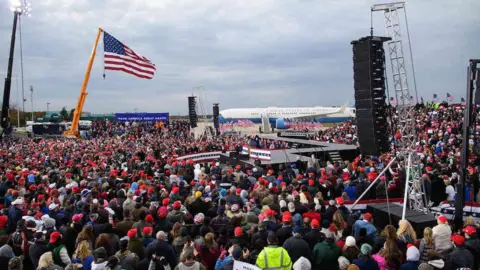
(192, 111)
(216, 113)
(369, 85)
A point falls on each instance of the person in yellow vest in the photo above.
(273, 256)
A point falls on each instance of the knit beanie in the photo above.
(350, 241)
(343, 263)
(366, 249)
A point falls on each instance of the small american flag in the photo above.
(120, 57)
(449, 97)
(435, 98)
(393, 101)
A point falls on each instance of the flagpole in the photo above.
(83, 91)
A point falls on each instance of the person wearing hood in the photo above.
(196, 172)
(6, 253)
(100, 259)
(297, 247)
(460, 256)
(472, 244)
(413, 259)
(38, 248)
(365, 260)
(326, 253)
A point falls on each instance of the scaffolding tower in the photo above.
(414, 196)
(207, 131)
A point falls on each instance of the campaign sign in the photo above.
(238, 265)
(142, 117)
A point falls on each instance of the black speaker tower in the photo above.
(216, 113)
(192, 111)
(369, 85)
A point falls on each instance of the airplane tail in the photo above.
(342, 109)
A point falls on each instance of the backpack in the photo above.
(20, 243)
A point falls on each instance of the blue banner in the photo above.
(142, 117)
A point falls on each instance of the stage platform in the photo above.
(418, 220)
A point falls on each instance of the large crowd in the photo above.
(123, 199)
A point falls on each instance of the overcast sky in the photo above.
(244, 53)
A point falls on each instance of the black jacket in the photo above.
(161, 248)
(460, 257)
(198, 206)
(313, 237)
(473, 245)
(297, 247)
(35, 251)
(283, 233)
(263, 234)
(69, 237)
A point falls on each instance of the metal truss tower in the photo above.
(201, 104)
(406, 142)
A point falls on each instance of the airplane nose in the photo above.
(221, 118)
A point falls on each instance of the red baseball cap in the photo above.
(132, 233)
(54, 237)
(239, 190)
(442, 219)
(77, 218)
(165, 202)
(287, 217)
(470, 230)
(458, 239)
(238, 231)
(315, 224)
(177, 205)
(149, 218)
(339, 200)
(368, 216)
(147, 230)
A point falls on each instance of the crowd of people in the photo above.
(125, 199)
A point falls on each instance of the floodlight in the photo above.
(22, 7)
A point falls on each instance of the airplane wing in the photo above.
(309, 118)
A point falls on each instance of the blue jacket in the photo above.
(86, 264)
(369, 264)
(409, 265)
(371, 230)
(221, 263)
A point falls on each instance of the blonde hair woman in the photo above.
(405, 232)
(426, 244)
(46, 262)
(83, 255)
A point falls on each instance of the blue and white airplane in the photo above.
(278, 116)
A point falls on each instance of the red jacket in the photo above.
(313, 215)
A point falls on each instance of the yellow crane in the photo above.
(73, 131)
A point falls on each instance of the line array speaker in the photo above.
(369, 85)
(192, 111)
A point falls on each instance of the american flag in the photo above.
(120, 57)
(435, 98)
(449, 97)
(393, 101)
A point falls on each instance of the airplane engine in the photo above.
(280, 124)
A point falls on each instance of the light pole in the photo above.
(18, 7)
(48, 104)
(31, 100)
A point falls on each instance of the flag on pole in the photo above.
(120, 57)
(462, 100)
(449, 97)
(421, 100)
(435, 99)
(393, 101)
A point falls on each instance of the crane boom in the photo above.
(73, 132)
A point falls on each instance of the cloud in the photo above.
(244, 53)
